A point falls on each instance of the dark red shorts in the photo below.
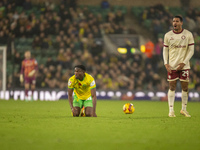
(182, 75)
(29, 80)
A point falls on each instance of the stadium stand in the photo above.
(60, 37)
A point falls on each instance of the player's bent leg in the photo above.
(88, 104)
(88, 111)
(77, 104)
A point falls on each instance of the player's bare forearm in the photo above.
(168, 67)
(70, 102)
(94, 106)
(94, 100)
(70, 98)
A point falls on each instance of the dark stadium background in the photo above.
(63, 33)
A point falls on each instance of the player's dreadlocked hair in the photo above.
(81, 67)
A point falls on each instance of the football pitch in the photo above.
(41, 125)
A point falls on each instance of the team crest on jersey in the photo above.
(183, 37)
(69, 83)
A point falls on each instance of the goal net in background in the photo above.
(2, 71)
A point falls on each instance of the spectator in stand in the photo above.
(59, 23)
(157, 27)
(36, 44)
(50, 62)
(119, 17)
(198, 27)
(197, 85)
(63, 59)
(45, 44)
(159, 47)
(190, 24)
(18, 60)
(3, 38)
(149, 48)
(105, 4)
(27, 5)
(197, 52)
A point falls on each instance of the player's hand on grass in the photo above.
(73, 110)
(180, 66)
(94, 115)
(168, 67)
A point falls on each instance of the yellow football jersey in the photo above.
(82, 88)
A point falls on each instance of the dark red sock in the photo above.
(26, 92)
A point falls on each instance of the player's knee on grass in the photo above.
(88, 111)
(75, 115)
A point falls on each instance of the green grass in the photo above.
(49, 125)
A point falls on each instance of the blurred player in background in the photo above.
(28, 73)
(177, 51)
(84, 88)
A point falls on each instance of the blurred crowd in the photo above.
(74, 35)
(160, 18)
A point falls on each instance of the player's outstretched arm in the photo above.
(94, 100)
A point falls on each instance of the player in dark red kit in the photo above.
(28, 73)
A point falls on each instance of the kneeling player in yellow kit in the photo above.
(84, 88)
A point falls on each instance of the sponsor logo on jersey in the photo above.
(180, 46)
